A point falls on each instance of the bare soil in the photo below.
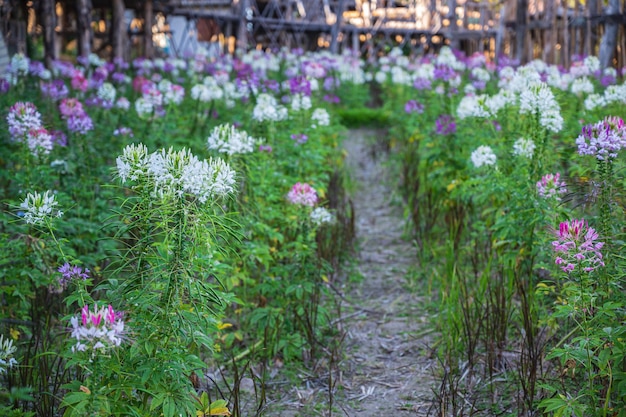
(384, 366)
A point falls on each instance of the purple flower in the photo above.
(265, 148)
(330, 83)
(300, 138)
(445, 125)
(83, 60)
(300, 85)
(36, 68)
(331, 98)
(603, 139)
(413, 106)
(80, 124)
(444, 72)
(55, 90)
(422, 84)
(607, 80)
(71, 272)
(124, 131)
(118, 78)
(577, 245)
(58, 137)
(4, 86)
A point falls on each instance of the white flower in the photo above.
(593, 101)
(321, 116)
(143, 107)
(268, 109)
(133, 163)
(227, 139)
(483, 155)
(615, 94)
(473, 106)
(19, 64)
(7, 350)
(481, 74)
(592, 63)
(538, 100)
(95, 60)
(524, 147)
(107, 92)
(300, 102)
(38, 207)
(320, 215)
(581, 86)
(122, 103)
(171, 173)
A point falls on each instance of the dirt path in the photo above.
(384, 366)
(387, 365)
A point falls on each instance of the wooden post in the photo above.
(566, 38)
(609, 38)
(335, 29)
(118, 29)
(500, 34)
(48, 19)
(242, 32)
(148, 15)
(549, 33)
(590, 10)
(454, 39)
(83, 11)
(520, 29)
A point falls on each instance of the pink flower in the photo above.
(99, 329)
(79, 82)
(577, 245)
(71, 107)
(302, 194)
(550, 186)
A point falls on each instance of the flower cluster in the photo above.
(71, 272)
(100, 329)
(483, 155)
(524, 147)
(321, 215)
(603, 139)
(302, 194)
(77, 119)
(268, 109)
(321, 117)
(577, 245)
(39, 207)
(227, 139)
(39, 141)
(413, 106)
(551, 186)
(299, 138)
(7, 361)
(445, 125)
(22, 118)
(539, 101)
(175, 173)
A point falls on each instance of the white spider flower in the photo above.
(524, 147)
(483, 155)
(39, 207)
(227, 139)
